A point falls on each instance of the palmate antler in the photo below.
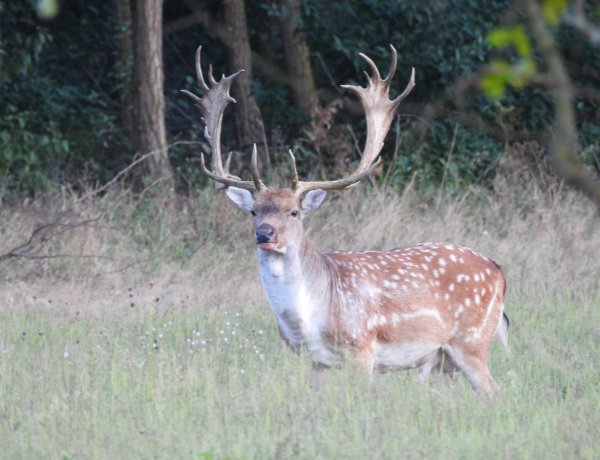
(379, 111)
(212, 106)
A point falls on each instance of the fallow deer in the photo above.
(427, 306)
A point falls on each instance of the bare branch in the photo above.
(40, 236)
(565, 146)
(579, 22)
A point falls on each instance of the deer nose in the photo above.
(264, 233)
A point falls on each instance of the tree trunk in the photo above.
(1, 47)
(123, 66)
(148, 98)
(297, 60)
(248, 120)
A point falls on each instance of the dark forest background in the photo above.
(87, 87)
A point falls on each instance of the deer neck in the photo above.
(297, 285)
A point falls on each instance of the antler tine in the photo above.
(210, 75)
(379, 112)
(295, 180)
(339, 184)
(393, 65)
(228, 181)
(199, 75)
(228, 163)
(410, 85)
(373, 67)
(258, 184)
(226, 169)
(212, 106)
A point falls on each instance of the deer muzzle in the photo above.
(265, 234)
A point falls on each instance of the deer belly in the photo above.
(404, 355)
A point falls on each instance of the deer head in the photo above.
(278, 213)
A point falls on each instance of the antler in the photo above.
(212, 105)
(379, 111)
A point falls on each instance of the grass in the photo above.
(164, 346)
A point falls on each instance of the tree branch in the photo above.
(270, 69)
(565, 146)
(198, 16)
(577, 20)
(41, 235)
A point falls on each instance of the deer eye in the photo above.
(253, 213)
(295, 213)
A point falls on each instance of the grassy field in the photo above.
(150, 337)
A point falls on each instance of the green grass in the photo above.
(220, 384)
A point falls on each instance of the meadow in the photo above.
(137, 328)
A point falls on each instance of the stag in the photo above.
(429, 306)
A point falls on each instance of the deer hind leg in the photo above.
(447, 367)
(432, 364)
(439, 362)
(474, 366)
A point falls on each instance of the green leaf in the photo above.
(500, 37)
(521, 42)
(514, 36)
(7, 156)
(522, 73)
(553, 10)
(501, 73)
(493, 85)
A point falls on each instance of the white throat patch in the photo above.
(301, 317)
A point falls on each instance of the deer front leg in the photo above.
(364, 359)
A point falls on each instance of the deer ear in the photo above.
(243, 198)
(312, 200)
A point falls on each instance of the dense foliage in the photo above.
(57, 114)
(61, 85)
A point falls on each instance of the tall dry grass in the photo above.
(202, 245)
